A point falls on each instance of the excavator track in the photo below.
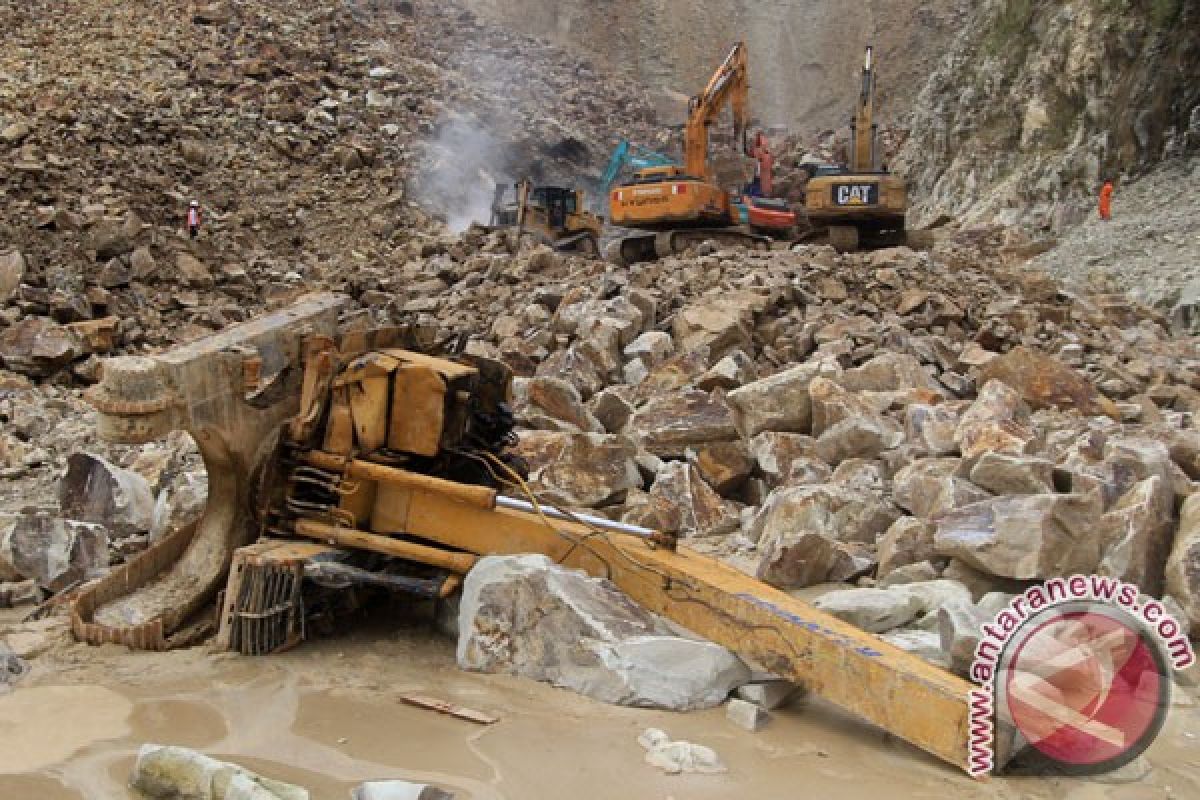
(637, 248)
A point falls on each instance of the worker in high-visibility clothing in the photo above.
(1106, 193)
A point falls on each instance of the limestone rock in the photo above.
(996, 422)
(193, 271)
(678, 757)
(94, 490)
(612, 408)
(12, 272)
(525, 615)
(788, 459)
(888, 372)
(398, 790)
(552, 404)
(1043, 381)
(930, 487)
(856, 437)
(54, 552)
(1183, 566)
(652, 347)
(37, 347)
(909, 540)
(668, 425)
(167, 772)
(960, 627)
(874, 610)
(719, 327)
(683, 503)
(1024, 537)
(583, 469)
(931, 429)
(1002, 473)
(723, 465)
(776, 403)
(1137, 533)
(745, 714)
(732, 371)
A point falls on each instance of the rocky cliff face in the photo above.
(1038, 102)
(804, 55)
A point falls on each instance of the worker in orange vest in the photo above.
(1106, 194)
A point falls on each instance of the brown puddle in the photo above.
(327, 716)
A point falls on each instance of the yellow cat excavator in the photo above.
(682, 206)
(861, 203)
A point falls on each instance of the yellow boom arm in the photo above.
(862, 127)
(729, 83)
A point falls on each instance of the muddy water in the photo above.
(327, 717)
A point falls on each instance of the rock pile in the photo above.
(307, 135)
(939, 417)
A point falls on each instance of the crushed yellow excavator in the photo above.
(683, 206)
(361, 458)
(860, 204)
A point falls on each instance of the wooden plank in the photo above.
(443, 707)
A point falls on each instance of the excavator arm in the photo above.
(862, 127)
(729, 84)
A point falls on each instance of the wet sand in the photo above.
(326, 716)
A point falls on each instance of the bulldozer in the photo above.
(556, 216)
(860, 204)
(681, 206)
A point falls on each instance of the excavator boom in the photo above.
(729, 84)
(862, 127)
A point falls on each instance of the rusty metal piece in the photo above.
(200, 388)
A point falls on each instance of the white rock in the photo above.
(525, 615)
(746, 715)
(177, 773)
(768, 695)
(676, 757)
(398, 790)
(874, 610)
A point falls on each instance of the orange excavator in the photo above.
(678, 207)
(758, 206)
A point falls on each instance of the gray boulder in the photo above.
(525, 615)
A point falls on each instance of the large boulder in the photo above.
(38, 347)
(1137, 535)
(788, 459)
(1002, 473)
(52, 551)
(581, 469)
(931, 486)
(682, 502)
(723, 465)
(807, 534)
(525, 615)
(1183, 566)
(998, 421)
(94, 490)
(889, 372)
(779, 402)
(931, 429)
(166, 772)
(668, 425)
(715, 325)
(12, 272)
(874, 610)
(1025, 537)
(552, 404)
(860, 436)
(1043, 381)
(908, 541)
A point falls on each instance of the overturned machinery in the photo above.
(360, 458)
